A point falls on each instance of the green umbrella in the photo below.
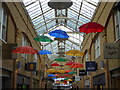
(60, 59)
(72, 72)
(42, 38)
(66, 78)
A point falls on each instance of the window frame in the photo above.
(87, 56)
(97, 47)
(117, 25)
(3, 24)
(25, 42)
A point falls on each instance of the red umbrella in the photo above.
(91, 27)
(77, 65)
(69, 63)
(55, 64)
(68, 71)
(61, 76)
(57, 75)
(66, 75)
(25, 50)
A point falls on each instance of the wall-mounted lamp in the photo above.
(102, 65)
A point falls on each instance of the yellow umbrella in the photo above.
(61, 71)
(51, 70)
(74, 53)
(69, 80)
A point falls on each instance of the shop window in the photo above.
(117, 24)
(3, 23)
(97, 47)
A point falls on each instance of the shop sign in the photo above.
(30, 66)
(82, 72)
(91, 66)
(111, 50)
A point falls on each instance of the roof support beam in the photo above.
(60, 18)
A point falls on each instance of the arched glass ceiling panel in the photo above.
(71, 24)
(44, 5)
(46, 19)
(77, 38)
(72, 14)
(49, 14)
(76, 5)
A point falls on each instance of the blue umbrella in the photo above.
(54, 78)
(51, 75)
(43, 52)
(58, 34)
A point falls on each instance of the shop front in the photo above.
(87, 83)
(22, 81)
(6, 78)
(99, 82)
(115, 78)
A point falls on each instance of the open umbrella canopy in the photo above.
(42, 38)
(61, 71)
(61, 59)
(66, 75)
(43, 52)
(51, 75)
(67, 71)
(69, 63)
(51, 70)
(69, 80)
(57, 75)
(72, 72)
(77, 65)
(61, 77)
(91, 27)
(25, 50)
(58, 34)
(66, 78)
(55, 64)
(74, 53)
(54, 78)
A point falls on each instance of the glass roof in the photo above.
(46, 19)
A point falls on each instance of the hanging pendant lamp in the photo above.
(60, 4)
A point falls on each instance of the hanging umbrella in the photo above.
(51, 75)
(54, 78)
(76, 65)
(55, 64)
(69, 80)
(51, 70)
(66, 78)
(72, 72)
(61, 71)
(66, 75)
(25, 50)
(91, 27)
(42, 38)
(61, 77)
(57, 75)
(58, 34)
(74, 53)
(69, 63)
(43, 52)
(60, 59)
(67, 71)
